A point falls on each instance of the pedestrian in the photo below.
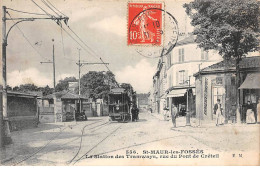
(258, 111)
(250, 116)
(134, 113)
(85, 114)
(137, 113)
(166, 113)
(174, 112)
(151, 110)
(218, 111)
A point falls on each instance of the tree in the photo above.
(111, 79)
(229, 26)
(127, 86)
(64, 84)
(26, 88)
(130, 90)
(31, 87)
(97, 84)
(46, 90)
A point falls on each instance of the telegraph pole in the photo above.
(81, 64)
(53, 63)
(187, 109)
(79, 85)
(5, 137)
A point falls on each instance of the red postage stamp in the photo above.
(145, 23)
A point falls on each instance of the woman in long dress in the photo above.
(250, 116)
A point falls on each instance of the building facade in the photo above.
(159, 86)
(185, 60)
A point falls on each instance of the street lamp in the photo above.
(187, 109)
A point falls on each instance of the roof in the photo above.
(64, 95)
(118, 90)
(187, 40)
(245, 63)
(19, 94)
(37, 93)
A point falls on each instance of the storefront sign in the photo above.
(219, 80)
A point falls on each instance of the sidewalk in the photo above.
(181, 123)
(29, 141)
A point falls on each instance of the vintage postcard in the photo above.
(130, 83)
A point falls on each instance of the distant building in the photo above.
(142, 100)
(73, 86)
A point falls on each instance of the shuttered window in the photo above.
(181, 55)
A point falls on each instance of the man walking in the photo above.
(174, 115)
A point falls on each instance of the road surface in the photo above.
(150, 141)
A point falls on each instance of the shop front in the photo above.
(209, 89)
(178, 97)
(218, 81)
(250, 90)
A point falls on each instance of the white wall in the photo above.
(192, 60)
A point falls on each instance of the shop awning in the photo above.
(252, 81)
(177, 93)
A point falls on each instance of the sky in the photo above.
(101, 25)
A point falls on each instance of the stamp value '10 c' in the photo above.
(144, 24)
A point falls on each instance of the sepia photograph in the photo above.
(130, 83)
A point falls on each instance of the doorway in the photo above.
(218, 92)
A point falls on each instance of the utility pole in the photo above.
(1, 123)
(4, 93)
(53, 60)
(79, 85)
(187, 109)
(4, 121)
(5, 137)
(53, 63)
(81, 64)
(201, 85)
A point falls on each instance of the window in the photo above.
(181, 55)
(204, 55)
(181, 77)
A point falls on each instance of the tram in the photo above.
(119, 102)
